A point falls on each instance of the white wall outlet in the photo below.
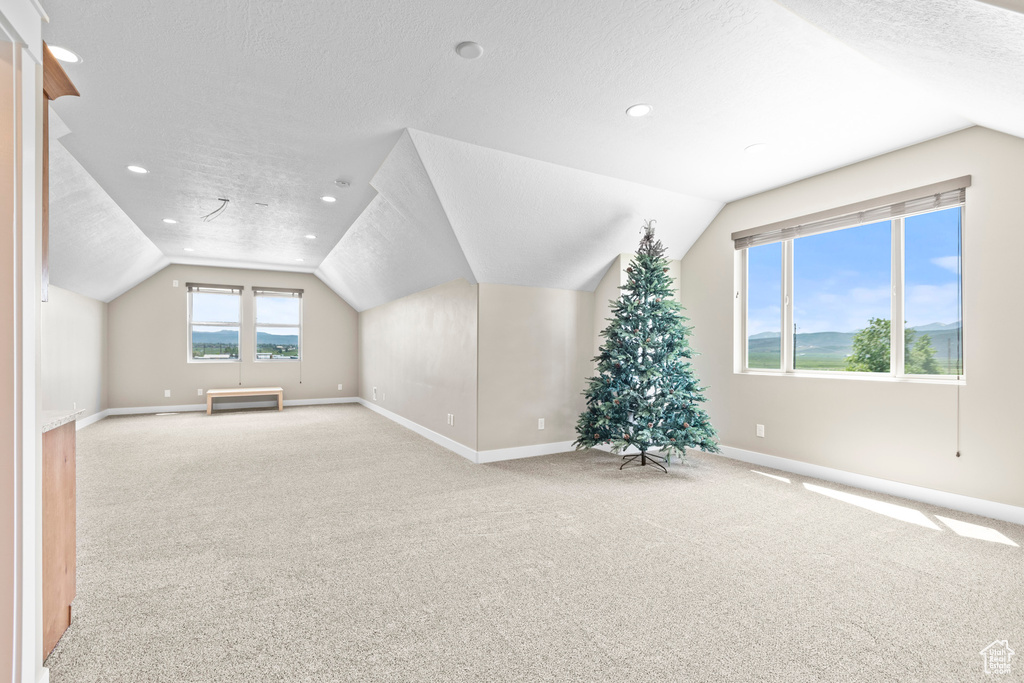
(375, 393)
(760, 431)
(540, 423)
(174, 283)
(199, 392)
(339, 387)
(167, 393)
(451, 419)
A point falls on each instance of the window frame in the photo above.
(259, 292)
(897, 308)
(228, 290)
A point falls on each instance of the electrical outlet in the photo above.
(375, 393)
(540, 423)
(339, 387)
(451, 419)
(760, 431)
(199, 392)
(167, 393)
(174, 283)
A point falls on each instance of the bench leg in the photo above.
(280, 401)
(209, 404)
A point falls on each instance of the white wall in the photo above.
(420, 352)
(535, 351)
(74, 352)
(901, 431)
(147, 341)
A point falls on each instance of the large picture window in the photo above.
(819, 294)
(214, 322)
(278, 314)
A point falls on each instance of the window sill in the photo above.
(213, 361)
(862, 376)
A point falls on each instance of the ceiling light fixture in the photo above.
(638, 110)
(756, 148)
(310, 237)
(137, 169)
(298, 259)
(188, 249)
(64, 54)
(329, 199)
(469, 49)
(170, 221)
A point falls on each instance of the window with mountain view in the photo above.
(869, 288)
(278, 315)
(841, 283)
(932, 293)
(214, 316)
(764, 307)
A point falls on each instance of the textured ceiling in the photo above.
(266, 101)
(966, 53)
(95, 249)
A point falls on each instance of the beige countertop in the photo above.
(51, 419)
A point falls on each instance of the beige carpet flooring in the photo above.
(328, 544)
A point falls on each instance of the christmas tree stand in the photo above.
(645, 459)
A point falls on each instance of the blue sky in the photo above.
(842, 278)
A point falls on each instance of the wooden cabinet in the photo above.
(58, 505)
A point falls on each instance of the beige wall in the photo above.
(420, 352)
(74, 352)
(148, 341)
(535, 351)
(901, 431)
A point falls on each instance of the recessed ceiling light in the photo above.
(64, 54)
(170, 221)
(310, 237)
(756, 148)
(638, 110)
(189, 249)
(341, 183)
(469, 49)
(329, 199)
(137, 169)
(298, 259)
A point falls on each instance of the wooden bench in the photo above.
(242, 391)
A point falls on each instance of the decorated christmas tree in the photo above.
(645, 394)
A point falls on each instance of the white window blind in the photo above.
(927, 198)
(214, 289)
(277, 291)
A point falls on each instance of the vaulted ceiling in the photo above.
(517, 167)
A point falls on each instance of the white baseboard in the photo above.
(92, 419)
(499, 454)
(197, 407)
(439, 439)
(953, 501)
(479, 457)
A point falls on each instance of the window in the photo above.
(819, 293)
(214, 322)
(278, 314)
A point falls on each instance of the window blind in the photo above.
(214, 289)
(927, 198)
(277, 291)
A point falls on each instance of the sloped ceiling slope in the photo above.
(450, 209)
(965, 53)
(269, 102)
(521, 221)
(401, 243)
(95, 248)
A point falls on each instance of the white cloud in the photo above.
(932, 304)
(950, 263)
